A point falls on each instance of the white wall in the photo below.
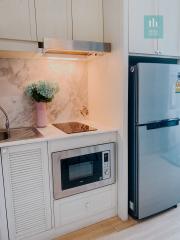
(108, 89)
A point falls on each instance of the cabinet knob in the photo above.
(4, 150)
(158, 52)
(87, 205)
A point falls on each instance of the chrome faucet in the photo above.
(7, 124)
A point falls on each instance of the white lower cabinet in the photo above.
(27, 193)
(3, 220)
(82, 207)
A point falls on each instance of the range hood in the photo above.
(74, 48)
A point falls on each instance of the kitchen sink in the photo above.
(3, 135)
(19, 134)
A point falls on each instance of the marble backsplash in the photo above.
(15, 74)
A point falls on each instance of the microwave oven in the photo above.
(83, 169)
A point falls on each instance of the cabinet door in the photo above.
(138, 43)
(170, 43)
(53, 19)
(87, 20)
(3, 219)
(79, 207)
(27, 193)
(17, 19)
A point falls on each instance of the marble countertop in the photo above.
(51, 133)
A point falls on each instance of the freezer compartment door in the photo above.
(158, 92)
(158, 168)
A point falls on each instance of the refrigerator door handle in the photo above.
(163, 124)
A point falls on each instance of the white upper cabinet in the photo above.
(17, 20)
(170, 43)
(165, 44)
(34, 20)
(66, 19)
(138, 9)
(87, 18)
(27, 193)
(53, 19)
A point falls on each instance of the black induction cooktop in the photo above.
(74, 127)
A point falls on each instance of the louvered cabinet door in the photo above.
(27, 192)
(3, 220)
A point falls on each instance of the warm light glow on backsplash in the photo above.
(64, 57)
(72, 77)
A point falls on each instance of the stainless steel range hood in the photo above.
(74, 48)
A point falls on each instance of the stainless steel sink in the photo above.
(16, 134)
(3, 135)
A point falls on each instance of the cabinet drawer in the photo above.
(101, 202)
(81, 206)
(70, 211)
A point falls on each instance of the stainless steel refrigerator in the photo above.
(154, 138)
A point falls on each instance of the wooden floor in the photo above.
(104, 228)
(165, 226)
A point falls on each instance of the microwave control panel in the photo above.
(106, 165)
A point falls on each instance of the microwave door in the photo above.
(81, 170)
